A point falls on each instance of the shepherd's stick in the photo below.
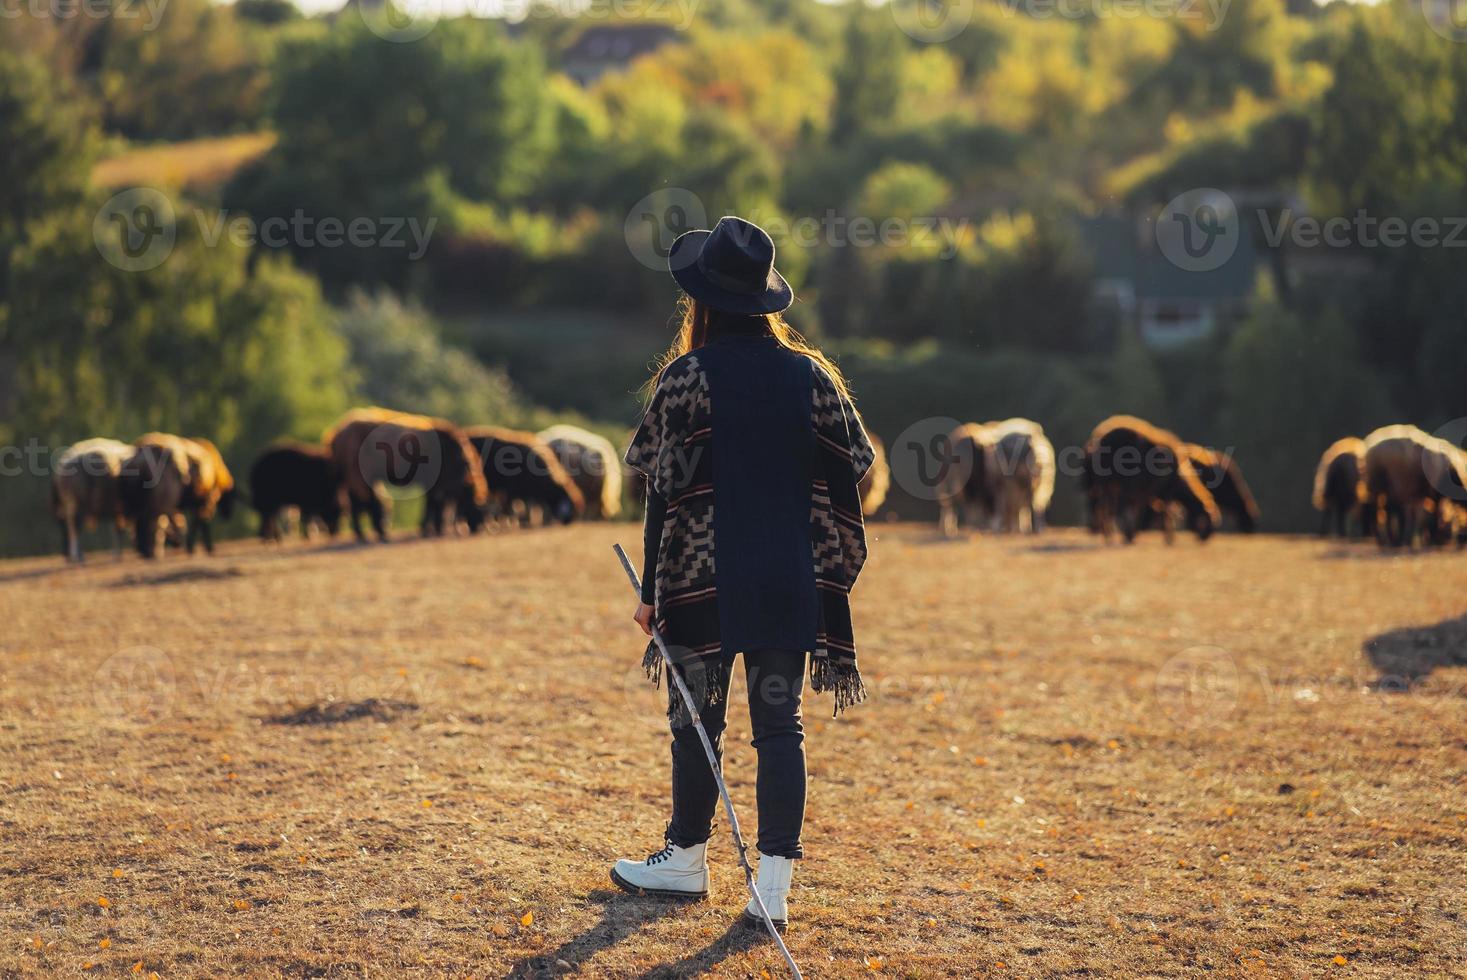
(728, 807)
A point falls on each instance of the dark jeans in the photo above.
(776, 680)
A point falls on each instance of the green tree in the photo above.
(204, 343)
(402, 362)
(49, 144)
(869, 74)
(1390, 126)
(173, 71)
(1292, 386)
(365, 123)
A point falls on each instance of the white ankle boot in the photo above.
(773, 885)
(673, 872)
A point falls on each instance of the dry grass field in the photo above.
(1244, 758)
(194, 165)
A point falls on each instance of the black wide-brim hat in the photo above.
(730, 268)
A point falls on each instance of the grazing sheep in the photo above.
(592, 463)
(877, 481)
(372, 447)
(153, 487)
(1339, 487)
(84, 491)
(523, 472)
(1414, 482)
(300, 476)
(209, 489)
(1130, 467)
(964, 484)
(1020, 472)
(1223, 478)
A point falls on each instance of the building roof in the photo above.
(603, 47)
(1124, 247)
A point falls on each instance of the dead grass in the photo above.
(1077, 761)
(192, 165)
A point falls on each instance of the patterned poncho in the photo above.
(674, 448)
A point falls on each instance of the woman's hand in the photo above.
(643, 616)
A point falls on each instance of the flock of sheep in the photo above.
(1134, 474)
(1397, 484)
(167, 488)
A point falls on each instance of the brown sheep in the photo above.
(1339, 487)
(1020, 472)
(300, 476)
(85, 491)
(592, 463)
(964, 485)
(1415, 482)
(210, 489)
(1223, 478)
(1130, 466)
(877, 481)
(524, 473)
(372, 447)
(154, 487)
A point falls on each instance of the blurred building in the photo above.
(1139, 290)
(611, 47)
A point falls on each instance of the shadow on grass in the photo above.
(621, 916)
(738, 937)
(337, 712)
(42, 572)
(1408, 655)
(173, 576)
(1061, 547)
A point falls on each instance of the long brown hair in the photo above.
(701, 323)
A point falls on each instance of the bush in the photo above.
(401, 362)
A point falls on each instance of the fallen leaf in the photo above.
(527, 919)
(1340, 961)
(104, 903)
